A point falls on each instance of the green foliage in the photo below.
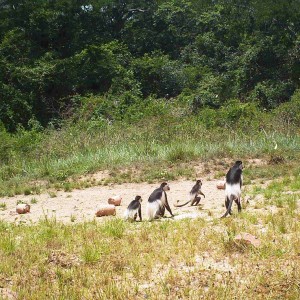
(234, 114)
(289, 113)
(143, 133)
(269, 94)
(53, 54)
(159, 75)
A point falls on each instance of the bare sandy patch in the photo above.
(81, 205)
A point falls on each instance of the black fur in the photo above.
(196, 190)
(233, 176)
(136, 204)
(156, 195)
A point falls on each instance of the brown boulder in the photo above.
(221, 185)
(23, 208)
(115, 200)
(106, 210)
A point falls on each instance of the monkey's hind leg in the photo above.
(196, 201)
(227, 202)
(238, 203)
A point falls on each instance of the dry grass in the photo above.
(186, 259)
(183, 259)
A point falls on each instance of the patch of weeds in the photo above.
(219, 175)
(292, 201)
(276, 159)
(90, 254)
(155, 174)
(279, 202)
(114, 228)
(8, 244)
(278, 222)
(67, 187)
(252, 218)
(52, 194)
(268, 194)
(295, 184)
(257, 190)
(33, 201)
(3, 206)
(259, 205)
(180, 154)
(27, 191)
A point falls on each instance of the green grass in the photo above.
(153, 150)
(3, 206)
(186, 259)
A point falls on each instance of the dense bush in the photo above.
(54, 53)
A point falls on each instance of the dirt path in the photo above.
(81, 205)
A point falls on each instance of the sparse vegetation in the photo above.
(128, 155)
(143, 91)
(186, 259)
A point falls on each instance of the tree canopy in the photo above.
(53, 52)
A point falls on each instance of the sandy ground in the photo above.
(81, 205)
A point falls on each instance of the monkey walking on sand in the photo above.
(193, 195)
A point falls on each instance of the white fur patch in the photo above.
(153, 208)
(192, 196)
(163, 198)
(129, 214)
(233, 189)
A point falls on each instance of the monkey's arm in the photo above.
(200, 192)
(168, 208)
(140, 213)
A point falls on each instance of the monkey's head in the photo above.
(165, 186)
(199, 182)
(138, 198)
(239, 164)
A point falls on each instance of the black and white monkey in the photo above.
(193, 195)
(233, 186)
(134, 208)
(158, 202)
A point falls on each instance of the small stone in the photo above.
(248, 238)
(106, 210)
(221, 185)
(115, 200)
(23, 208)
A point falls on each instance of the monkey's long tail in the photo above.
(180, 205)
(231, 198)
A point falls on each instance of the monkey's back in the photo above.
(195, 189)
(234, 175)
(134, 204)
(155, 195)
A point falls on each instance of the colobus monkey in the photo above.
(133, 209)
(158, 202)
(234, 181)
(193, 195)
